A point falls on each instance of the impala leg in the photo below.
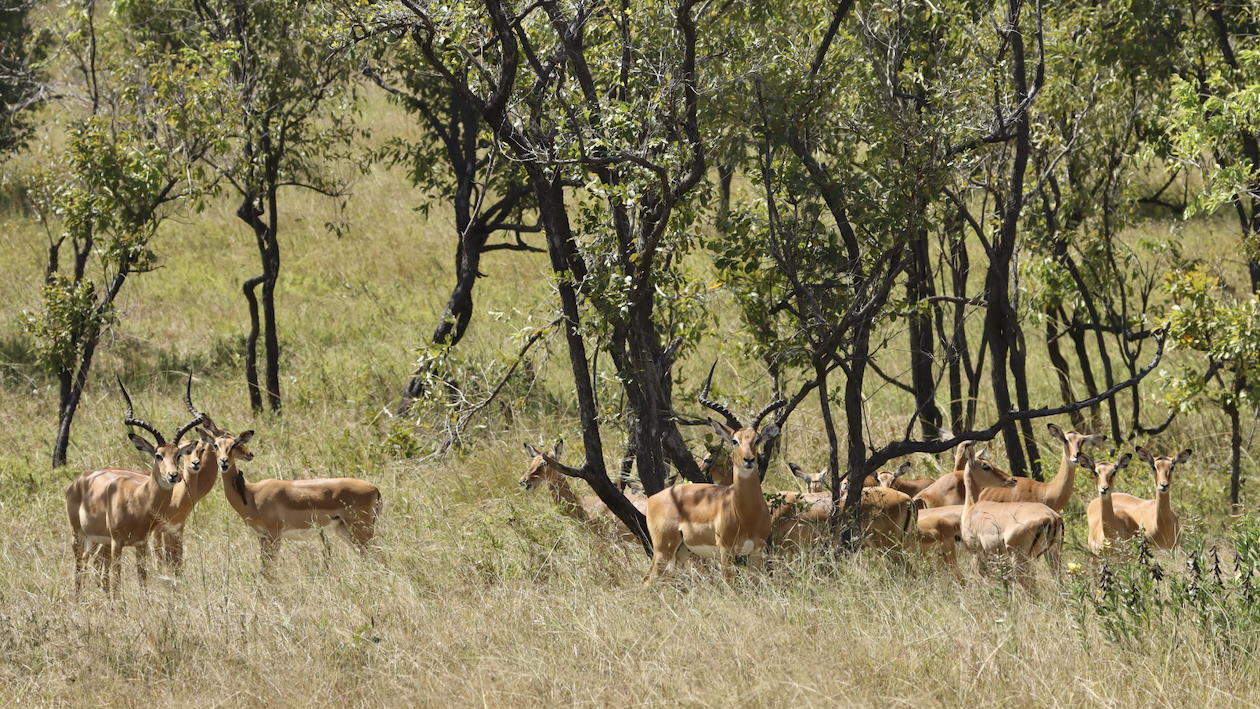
(77, 544)
(323, 538)
(757, 560)
(663, 549)
(174, 543)
(113, 568)
(268, 549)
(357, 534)
(142, 551)
(728, 569)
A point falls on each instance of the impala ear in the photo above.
(902, 469)
(205, 436)
(188, 448)
(1123, 462)
(1086, 462)
(983, 454)
(532, 451)
(767, 434)
(1056, 432)
(797, 471)
(243, 438)
(558, 449)
(723, 431)
(1095, 440)
(1183, 456)
(1145, 456)
(142, 444)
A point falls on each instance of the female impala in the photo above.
(584, 509)
(1056, 493)
(1022, 531)
(1155, 517)
(286, 509)
(118, 507)
(715, 520)
(1104, 525)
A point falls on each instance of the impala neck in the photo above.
(1163, 509)
(236, 489)
(203, 480)
(562, 495)
(972, 490)
(1108, 514)
(1061, 487)
(152, 495)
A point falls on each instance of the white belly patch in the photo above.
(709, 552)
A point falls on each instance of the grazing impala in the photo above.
(117, 508)
(1155, 517)
(896, 481)
(285, 509)
(715, 520)
(887, 517)
(1021, 531)
(1104, 525)
(584, 509)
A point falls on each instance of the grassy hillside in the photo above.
(478, 593)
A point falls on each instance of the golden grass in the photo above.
(478, 594)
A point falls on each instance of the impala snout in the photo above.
(1011, 482)
(1104, 490)
(1164, 487)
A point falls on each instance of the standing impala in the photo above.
(1021, 531)
(117, 507)
(1155, 517)
(716, 520)
(1056, 493)
(193, 488)
(1104, 525)
(543, 473)
(286, 509)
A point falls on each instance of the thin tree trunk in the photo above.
(1061, 367)
(251, 343)
(922, 345)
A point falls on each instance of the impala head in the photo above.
(886, 479)
(540, 470)
(1104, 472)
(814, 482)
(166, 456)
(746, 443)
(984, 473)
(226, 447)
(1163, 467)
(960, 456)
(1074, 442)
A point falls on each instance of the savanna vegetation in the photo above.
(396, 240)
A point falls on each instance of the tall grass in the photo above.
(478, 593)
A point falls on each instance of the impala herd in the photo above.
(977, 505)
(114, 508)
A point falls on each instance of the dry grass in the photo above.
(477, 593)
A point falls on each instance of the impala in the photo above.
(948, 489)
(887, 517)
(1056, 493)
(896, 481)
(938, 532)
(1155, 517)
(193, 488)
(1104, 525)
(715, 520)
(117, 508)
(584, 509)
(284, 509)
(1021, 531)
(814, 482)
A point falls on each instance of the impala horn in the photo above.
(197, 417)
(129, 421)
(731, 419)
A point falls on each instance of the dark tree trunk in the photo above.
(919, 285)
(851, 531)
(269, 255)
(1061, 368)
(1077, 334)
(1235, 441)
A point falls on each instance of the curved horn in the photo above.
(731, 419)
(205, 420)
(197, 417)
(129, 421)
(777, 404)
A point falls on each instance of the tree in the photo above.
(127, 166)
(292, 106)
(22, 54)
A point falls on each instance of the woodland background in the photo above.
(398, 239)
